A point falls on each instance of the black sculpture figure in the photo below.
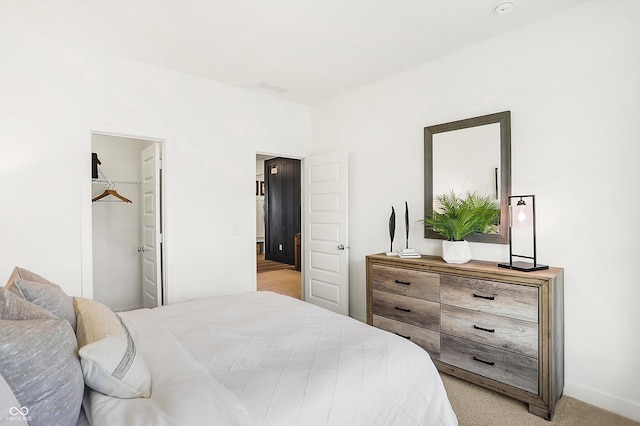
(392, 227)
(406, 222)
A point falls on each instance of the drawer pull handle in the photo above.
(403, 309)
(475, 358)
(489, 330)
(403, 282)
(483, 297)
(401, 335)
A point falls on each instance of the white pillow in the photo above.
(110, 362)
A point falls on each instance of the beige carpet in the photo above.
(474, 405)
(283, 281)
(478, 407)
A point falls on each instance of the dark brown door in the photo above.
(282, 208)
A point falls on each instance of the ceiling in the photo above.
(306, 51)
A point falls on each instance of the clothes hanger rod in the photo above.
(110, 181)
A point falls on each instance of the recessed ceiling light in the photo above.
(503, 8)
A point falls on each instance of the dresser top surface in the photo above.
(438, 264)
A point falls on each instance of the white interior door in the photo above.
(151, 238)
(326, 233)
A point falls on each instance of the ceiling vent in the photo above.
(272, 87)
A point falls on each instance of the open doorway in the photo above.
(278, 222)
(127, 246)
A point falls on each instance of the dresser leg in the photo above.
(540, 412)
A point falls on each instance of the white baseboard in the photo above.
(615, 404)
(127, 308)
(359, 318)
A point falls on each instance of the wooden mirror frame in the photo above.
(504, 118)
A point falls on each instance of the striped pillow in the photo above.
(110, 363)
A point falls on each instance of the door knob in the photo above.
(140, 249)
(341, 247)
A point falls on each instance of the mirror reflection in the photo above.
(471, 155)
(467, 160)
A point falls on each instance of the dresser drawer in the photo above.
(407, 309)
(507, 367)
(498, 328)
(511, 300)
(494, 330)
(418, 284)
(428, 340)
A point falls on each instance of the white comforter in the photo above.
(264, 359)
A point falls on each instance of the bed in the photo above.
(257, 358)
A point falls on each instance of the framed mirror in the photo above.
(471, 155)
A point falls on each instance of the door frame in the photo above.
(86, 212)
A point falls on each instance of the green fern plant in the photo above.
(460, 217)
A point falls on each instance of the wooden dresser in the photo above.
(497, 328)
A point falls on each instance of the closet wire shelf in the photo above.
(113, 181)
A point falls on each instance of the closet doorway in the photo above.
(127, 221)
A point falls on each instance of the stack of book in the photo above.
(409, 253)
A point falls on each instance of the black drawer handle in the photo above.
(403, 309)
(403, 282)
(406, 337)
(475, 358)
(483, 297)
(489, 330)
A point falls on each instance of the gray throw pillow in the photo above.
(39, 362)
(14, 307)
(46, 295)
(25, 274)
(10, 408)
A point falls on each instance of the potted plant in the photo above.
(458, 217)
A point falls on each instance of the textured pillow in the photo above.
(46, 295)
(10, 407)
(38, 362)
(110, 362)
(25, 275)
(14, 307)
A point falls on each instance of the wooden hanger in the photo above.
(111, 192)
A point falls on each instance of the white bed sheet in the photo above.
(182, 393)
(274, 360)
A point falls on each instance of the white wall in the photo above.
(572, 84)
(52, 96)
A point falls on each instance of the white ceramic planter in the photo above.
(456, 251)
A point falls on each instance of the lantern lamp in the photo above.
(522, 234)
